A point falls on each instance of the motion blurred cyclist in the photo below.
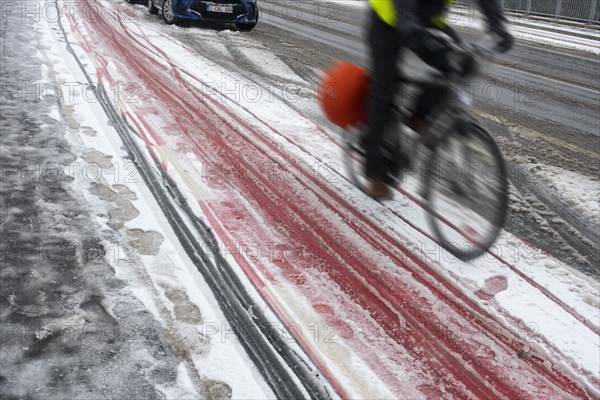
(399, 24)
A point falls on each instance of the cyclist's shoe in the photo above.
(378, 190)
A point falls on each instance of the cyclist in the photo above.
(394, 25)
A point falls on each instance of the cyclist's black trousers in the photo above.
(387, 48)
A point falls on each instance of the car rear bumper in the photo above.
(233, 11)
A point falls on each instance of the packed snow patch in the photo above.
(579, 191)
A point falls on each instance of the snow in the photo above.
(70, 330)
(271, 64)
(578, 191)
(157, 277)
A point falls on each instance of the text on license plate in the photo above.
(220, 8)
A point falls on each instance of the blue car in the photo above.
(242, 13)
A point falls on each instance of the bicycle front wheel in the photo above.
(466, 191)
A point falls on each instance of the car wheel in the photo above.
(152, 9)
(247, 27)
(168, 14)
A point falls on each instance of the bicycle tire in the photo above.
(466, 239)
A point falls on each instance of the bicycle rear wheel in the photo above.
(466, 191)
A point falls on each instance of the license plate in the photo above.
(220, 8)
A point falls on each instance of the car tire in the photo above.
(168, 13)
(247, 27)
(152, 9)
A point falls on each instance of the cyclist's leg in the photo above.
(385, 50)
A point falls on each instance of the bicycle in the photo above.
(462, 171)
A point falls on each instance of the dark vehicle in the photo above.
(242, 13)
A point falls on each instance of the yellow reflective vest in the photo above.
(386, 10)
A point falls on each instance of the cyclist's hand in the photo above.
(503, 38)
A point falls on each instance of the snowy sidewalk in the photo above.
(70, 327)
(79, 314)
(69, 330)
